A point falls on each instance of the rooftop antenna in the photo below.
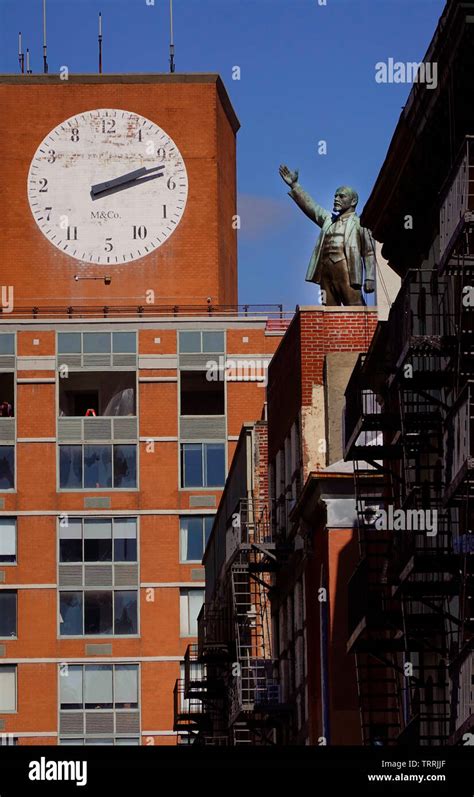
(100, 43)
(28, 70)
(21, 55)
(172, 67)
(45, 49)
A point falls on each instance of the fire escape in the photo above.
(230, 694)
(410, 433)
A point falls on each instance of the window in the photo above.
(98, 686)
(97, 342)
(98, 612)
(7, 540)
(106, 393)
(199, 395)
(8, 612)
(97, 467)
(7, 467)
(7, 344)
(202, 464)
(98, 543)
(7, 688)
(190, 603)
(194, 534)
(196, 341)
(7, 396)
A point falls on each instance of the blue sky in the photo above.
(307, 74)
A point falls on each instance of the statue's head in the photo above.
(344, 199)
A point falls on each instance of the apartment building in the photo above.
(119, 416)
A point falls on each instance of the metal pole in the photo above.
(45, 60)
(100, 43)
(172, 66)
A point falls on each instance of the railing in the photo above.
(416, 313)
(462, 680)
(459, 440)
(187, 709)
(457, 197)
(362, 409)
(214, 634)
(276, 317)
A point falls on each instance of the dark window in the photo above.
(7, 395)
(125, 466)
(200, 396)
(70, 541)
(191, 465)
(83, 400)
(70, 467)
(125, 540)
(195, 533)
(214, 457)
(70, 609)
(97, 540)
(8, 600)
(97, 466)
(97, 612)
(125, 611)
(7, 467)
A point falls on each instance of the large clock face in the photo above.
(107, 186)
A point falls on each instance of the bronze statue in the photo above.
(343, 248)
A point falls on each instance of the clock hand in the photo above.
(125, 179)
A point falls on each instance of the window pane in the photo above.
(215, 464)
(7, 344)
(98, 686)
(125, 612)
(192, 538)
(108, 742)
(191, 465)
(98, 466)
(125, 540)
(196, 599)
(189, 342)
(7, 467)
(69, 343)
(126, 740)
(7, 687)
(97, 540)
(70, 686)
(126, 686)
(125, 466)
(97, 612)
(124, 342)
(7, 539)
(96, 342)
(70, 614)
(7, 613)
(70, 541)
(212, 341)
(70, 467)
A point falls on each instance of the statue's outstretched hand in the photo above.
(369, 286)
(288, 176)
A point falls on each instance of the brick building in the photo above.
(114, 447)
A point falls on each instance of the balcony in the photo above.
(215, 636)
(374, 620)
(457, 211)
(189, 713)
(459, 447)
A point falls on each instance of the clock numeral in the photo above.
(72, 233)
(139, 232)
(108, 245)
(164, 212)
(108, 126)
(43, 184)
(161, 153)
(48, 212)
(140, 137)
(52, 156)
(75, 134)
(171, 184)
